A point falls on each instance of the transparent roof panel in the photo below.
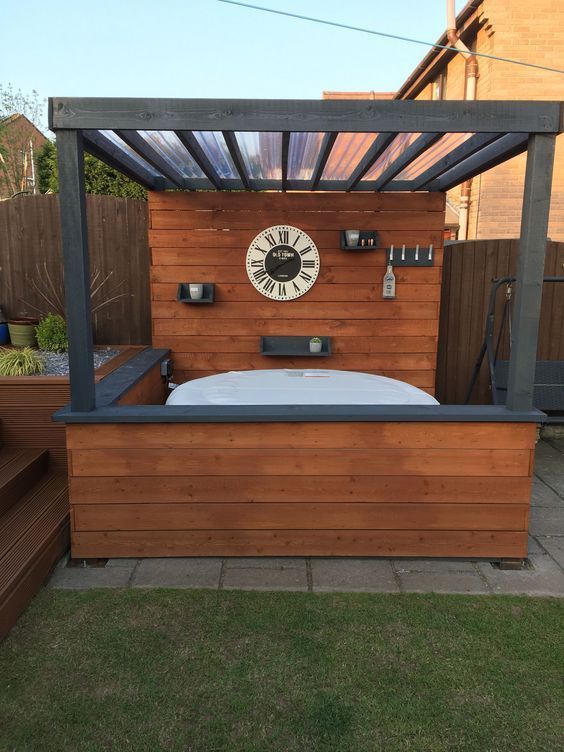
(398, 145)
(215, 148)
(347, 151)
(170, 148)
(262, 154)
(115, 139)
(432, 155)
(302, 154)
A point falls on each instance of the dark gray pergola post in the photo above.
(530, 270)
(74, 234)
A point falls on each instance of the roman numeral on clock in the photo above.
(260, 274)
(308, 264)
(306, 276)
(269, 285)
(270, 239)
(281, 289)
(257, 262)
(296, 287)
(305, 250)
(258, 248)
(283, 237)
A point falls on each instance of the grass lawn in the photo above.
(205, 671)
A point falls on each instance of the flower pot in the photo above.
(22, 332)
(315, 347)
(4, 334)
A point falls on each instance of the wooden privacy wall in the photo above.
(290, 489)
(467, 273)
(203, 237)
(30, 241)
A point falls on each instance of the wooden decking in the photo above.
(34, 527)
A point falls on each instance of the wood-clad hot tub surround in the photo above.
(300, 489)
(27, 404)
(203, 237)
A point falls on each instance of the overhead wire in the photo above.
(389, 36)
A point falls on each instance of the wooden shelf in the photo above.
(183, 294)
(297, 347)
(364, 235)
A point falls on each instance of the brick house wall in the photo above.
(521, 30)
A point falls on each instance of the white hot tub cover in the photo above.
(298, 387)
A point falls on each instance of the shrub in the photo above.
(52, 333)
(24, 362)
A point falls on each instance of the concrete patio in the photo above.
(544, 575)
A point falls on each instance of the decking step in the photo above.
(20, 469)
(33, 535)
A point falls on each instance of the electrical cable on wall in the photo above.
(390, 36)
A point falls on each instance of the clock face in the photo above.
(282, 262)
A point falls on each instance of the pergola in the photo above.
(305, 145)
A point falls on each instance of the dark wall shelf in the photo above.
(424, 256)
(183, 294)
(365, 235)
(293, 347)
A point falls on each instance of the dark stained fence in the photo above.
(468, 270)
(31, 267)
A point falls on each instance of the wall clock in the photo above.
(282, 262)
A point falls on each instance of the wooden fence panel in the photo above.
(117, 232)
(468, 270)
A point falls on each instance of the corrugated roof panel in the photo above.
(169, 146)
(430, 157)
(398, 145)
(262, 154)
(215, 148)
(120, 143)
(302, 154)
(347, 151)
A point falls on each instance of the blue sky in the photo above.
(203, 48)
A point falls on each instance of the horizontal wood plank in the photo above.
(349, 362)
(330, 293)
(251, 344)
(289, 201)
(328, 275)
(255, 222)
(284, 488)
(228, 256)
(304, 327)
(373, 436)
(305, 462)
(324, 239)
(462, 543)
(297, 310)
(304, 516)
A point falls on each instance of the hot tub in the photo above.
(298, 387)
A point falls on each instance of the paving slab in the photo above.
(266, 578)
(88, 578)
(555, 547)
(558, 443)
(258, 562)
(122, 562)
(547, 521)
(433, 565)
(353, 575)
(533, 546)
(178, 573)
(442, 582)
(549, 466)
(545, 578)
(543, 496)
